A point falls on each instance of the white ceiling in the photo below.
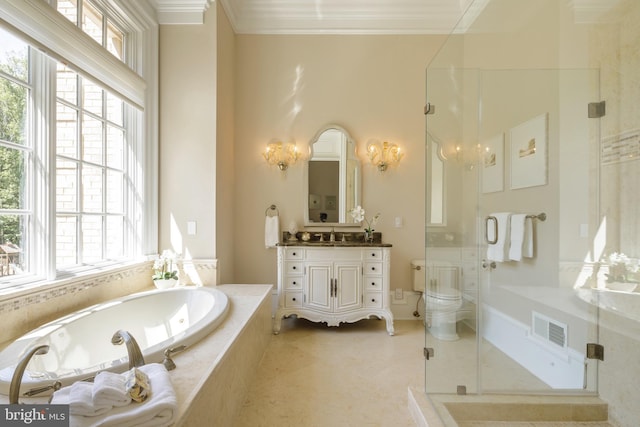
(323, 16)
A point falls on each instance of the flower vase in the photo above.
(368, 236)
(165, 283)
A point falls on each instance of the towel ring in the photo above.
(273, 209)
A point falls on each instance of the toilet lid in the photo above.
(444, 292)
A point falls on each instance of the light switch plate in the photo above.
(191, 228)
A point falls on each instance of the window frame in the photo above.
(140, 203)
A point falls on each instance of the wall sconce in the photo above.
(383, 155)
(281, 154)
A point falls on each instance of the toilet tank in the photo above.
(419, 275)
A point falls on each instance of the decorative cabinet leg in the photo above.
(277, 323)
(390, 329)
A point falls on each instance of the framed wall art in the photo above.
(529, 153)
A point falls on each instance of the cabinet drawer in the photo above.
(372, 254)
(294, 254)
(373, 300)
(293, 282)
(373, 283)
(373, 268)
(294, 267)
(292, 299)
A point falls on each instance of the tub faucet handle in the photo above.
(55, 387)
(168, 362)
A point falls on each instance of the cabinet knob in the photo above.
(294, 254)
(293, 299)
(373, 269)
(373, 254)
(293, 268)
(373, 283)
(373, 300)
(294, 282)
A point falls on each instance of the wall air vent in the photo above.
(549, 330)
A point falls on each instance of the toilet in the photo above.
(444, 305)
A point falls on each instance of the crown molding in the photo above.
(344, 16)
(175, 12)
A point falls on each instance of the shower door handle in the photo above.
(495, 230)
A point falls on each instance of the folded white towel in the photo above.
(271, 231)
(79, 397)
(110, 389)
(160, 408)
(521, 237)
(499, 251)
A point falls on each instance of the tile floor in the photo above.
(353, 375)
(357, 375)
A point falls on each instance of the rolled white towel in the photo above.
(109, 389)
(79, 397)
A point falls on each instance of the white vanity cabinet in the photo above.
(334, 284)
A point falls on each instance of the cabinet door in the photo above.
(349, 286)
(318, 293)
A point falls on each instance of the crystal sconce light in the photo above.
(281, 154)
(382, 155)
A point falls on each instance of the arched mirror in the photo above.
(436, 184)
(332, 179)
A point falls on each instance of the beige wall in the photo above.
(188, 69)
(224, 96)
(291, 86)
(225, 150)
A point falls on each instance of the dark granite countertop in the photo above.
(351, 240)
(348, 244)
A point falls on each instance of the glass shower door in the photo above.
(518, 151)
(535, 130)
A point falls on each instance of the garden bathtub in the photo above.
(80, 343)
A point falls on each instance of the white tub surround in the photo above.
(80, 344)
(212, 376)
(334, 284)
(559, 367)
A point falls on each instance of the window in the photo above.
(16, 154)
(70, 175)
(90, 175)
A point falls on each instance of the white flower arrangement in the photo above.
(163, 266)
(622, 268)
(357, 214)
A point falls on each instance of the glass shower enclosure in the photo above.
(532, 255)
